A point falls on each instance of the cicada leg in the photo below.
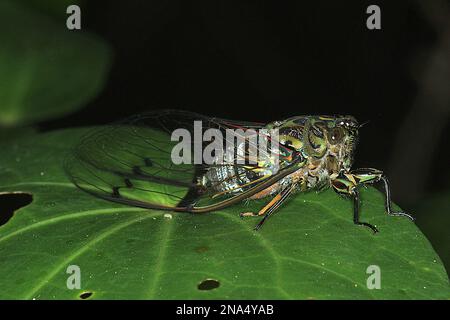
(369, 175)
(388, 203)
(271, 207)
(347, 183)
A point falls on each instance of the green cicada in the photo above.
(157, 161)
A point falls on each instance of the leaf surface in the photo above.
(309, 250)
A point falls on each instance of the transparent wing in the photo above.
(131, 162)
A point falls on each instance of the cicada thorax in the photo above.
(314, 140)
(311, 136)
(306, 134)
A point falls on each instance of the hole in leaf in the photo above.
(85, 295)
(10, 202)
(208, 284)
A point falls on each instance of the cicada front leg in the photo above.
(272, 206)
(369, 175)
(347, 184)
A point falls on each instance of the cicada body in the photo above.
(182, 161)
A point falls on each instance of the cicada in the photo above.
(157, 161)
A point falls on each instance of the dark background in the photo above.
(264, 61)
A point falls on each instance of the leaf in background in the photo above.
(309, 250)
(46, 70)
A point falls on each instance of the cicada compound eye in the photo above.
(336, 135)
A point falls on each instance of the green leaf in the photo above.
(309, 250)
(46, 70)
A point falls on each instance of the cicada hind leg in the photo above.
(348, 183)
(272, 206)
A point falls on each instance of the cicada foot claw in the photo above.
(401, 214)
(368, 225)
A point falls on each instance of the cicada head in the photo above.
(342, 136)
